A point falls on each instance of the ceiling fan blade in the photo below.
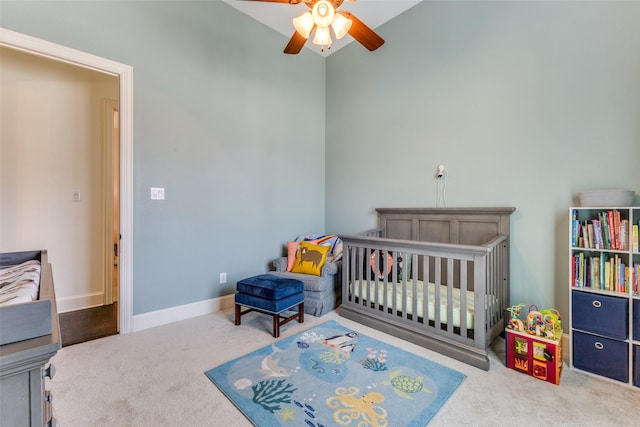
(295, 44)
(359, 31)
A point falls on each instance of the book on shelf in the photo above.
(612, 233)
(597, 231)
(616, 229)
(575, 226)
(619, 283)
(624, 234)
(604, 272)
(584, 231)
(595, 272)
(606, 230)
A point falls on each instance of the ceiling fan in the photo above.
(322, 16)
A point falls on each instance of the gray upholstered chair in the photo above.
(321, 293)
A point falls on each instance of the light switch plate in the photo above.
(157, 193)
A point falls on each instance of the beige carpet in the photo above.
(156, 378)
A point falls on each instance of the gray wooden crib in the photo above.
(438, 277)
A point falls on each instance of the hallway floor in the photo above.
(89, 324)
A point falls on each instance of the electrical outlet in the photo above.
(223, 278)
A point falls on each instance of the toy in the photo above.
(535, 325)
(515, 322)
(552, 322)
(535, 346)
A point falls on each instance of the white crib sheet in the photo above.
(399, 297)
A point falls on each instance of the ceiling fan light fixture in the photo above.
(304, 24)
(319, 18)
(341, 26)
(323, 13)
(322, 37)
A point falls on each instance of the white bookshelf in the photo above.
(604, 303)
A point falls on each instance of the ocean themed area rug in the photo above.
(334, 376)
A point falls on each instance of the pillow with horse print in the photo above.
(310, 258)
(292, 249)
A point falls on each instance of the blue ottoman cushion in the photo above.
(266, 304)
(270, 287)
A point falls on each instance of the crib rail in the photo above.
(383, 279)
(372, 232)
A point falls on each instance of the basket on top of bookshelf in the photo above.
(604, 252)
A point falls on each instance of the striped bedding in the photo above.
(20, 283)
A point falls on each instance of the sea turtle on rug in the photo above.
(403, 384)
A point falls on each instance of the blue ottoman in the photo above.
(270, 294)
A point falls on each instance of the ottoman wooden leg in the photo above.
(238, 314)
(276, 325)
(301, 313)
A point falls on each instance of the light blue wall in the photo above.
(228, 124)
(525, 103)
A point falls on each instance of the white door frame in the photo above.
(110, 109)
(61, 53)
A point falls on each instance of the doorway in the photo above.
(87, 324)
(124, 73)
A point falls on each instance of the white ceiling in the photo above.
(279, 16)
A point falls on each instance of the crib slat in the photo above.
(402, 279)
(398, 303)
(449, 302)
(359, 268)
(494, 280)
(414, 286)
(425, 289)
(438, 282)
(354, 268)
(479, 282)
(353, 261)
(463, 298)
(388, 287)
(380, 283)
(372, 279)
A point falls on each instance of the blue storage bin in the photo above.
(600, 314)
(602, 356)
(636, 366)
(636, 319)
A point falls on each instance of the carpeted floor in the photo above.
(155, 377)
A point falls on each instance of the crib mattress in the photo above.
(370, 296)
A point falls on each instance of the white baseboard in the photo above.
(181, 312)
(79, 302)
